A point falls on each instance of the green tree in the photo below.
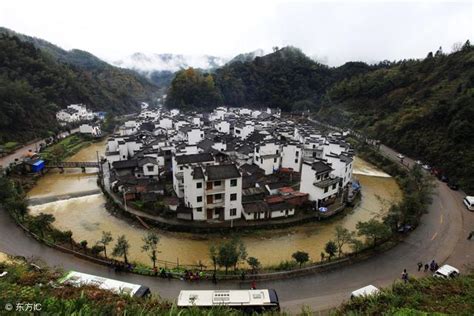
(214, 256)
(356, 245)
(230, 253)
(300, 257)
(83, 244)
(373, 230)
(331, 249)
(151, 241)
(121, 248)
(343, 236)
(105, 240)
(42, 222)
(254, 263)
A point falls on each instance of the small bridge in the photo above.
(73, 164)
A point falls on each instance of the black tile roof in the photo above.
(222, 172)
(124, 164)
(321, 167)
(197, 173)
(202, 157)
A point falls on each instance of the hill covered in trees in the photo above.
(424, 108)
(36, 80)
(286, 78)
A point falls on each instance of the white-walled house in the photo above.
(222, 126)
(291, 156)
(317, 180)
(243, 130)
(93, 130)
(166, 123)
(213, 192)
(178, 164)
(342, 166)
(267, 156)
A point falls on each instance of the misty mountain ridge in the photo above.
(149, 63)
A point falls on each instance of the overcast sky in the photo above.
(334, 32)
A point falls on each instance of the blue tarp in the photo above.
(38, 166)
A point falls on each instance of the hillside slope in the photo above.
(423, 108)
(34, 84)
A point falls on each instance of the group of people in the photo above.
(189, 275)
(121, 266)
(433, 266)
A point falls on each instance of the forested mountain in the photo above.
(278, 79)
(35, 83)
(424, 108)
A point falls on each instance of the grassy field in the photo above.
(424, 296)
(65, 148)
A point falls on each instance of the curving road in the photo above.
(440, 236)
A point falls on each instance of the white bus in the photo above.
(247, 300)
(78, 279)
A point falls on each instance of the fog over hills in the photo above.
(168, 62)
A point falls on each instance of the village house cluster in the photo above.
(230, 164)
(78, 113)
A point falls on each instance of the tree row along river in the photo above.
(87, 217)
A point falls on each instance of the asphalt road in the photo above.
(23, 151)
(440, 236)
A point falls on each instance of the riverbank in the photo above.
(272, 247)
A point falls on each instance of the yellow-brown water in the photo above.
(87, 217)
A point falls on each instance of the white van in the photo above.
(365, 291)
(469, 202)
(446, 272)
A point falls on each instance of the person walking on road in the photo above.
(254, 285)
(470, 235)
(427, 266)
(420, 265)
(405, 276)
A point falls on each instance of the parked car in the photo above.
(469, 202)
(365, 291)
(444, 178)
(400, 156)
(446, 272)
(426, 167)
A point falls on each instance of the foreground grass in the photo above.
(424, 296)
(26, 285)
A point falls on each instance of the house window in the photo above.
(277, 152)
(217, 183)
(274, 160)
(150, 168)
(198, 185)
(297, 153)
(314, 155)
(314, 146)
(233, 212)
(199, 198)
(233, 182)
(326, 189)
(233, 197)
(258, 149)
(181, 168)
(334, 186)
(218, 197)
(318, 177)
(296, 160)
(199, 209)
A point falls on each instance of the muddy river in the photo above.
(87, 217)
